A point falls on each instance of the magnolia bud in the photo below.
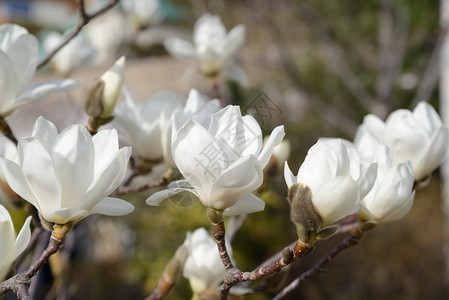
(102, 96)
(302, 212)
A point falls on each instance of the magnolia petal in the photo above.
(275, 139)
(23, 238)
(336, 199)
(180, 49)
(194, 102)
(73, 157)
(191, 147)
(234, 40)
(375, 126)
(253, 136)
(426, 114)
(156, 198)
(65, 215)
(108, 179)
(247, 204)
(38, 92)
(112, 207)
(40, 174)
(8, 83)
(234, 72)
(16, 180)
(242, 177)
(290, 179)
(403, 210)
(433, 157)
(367, 180)
(45, 131)
(105, 143)
(23, 52)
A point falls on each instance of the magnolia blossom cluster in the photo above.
(374, 175)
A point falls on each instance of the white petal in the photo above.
(427, 115)
(234, 72)
(112, 207)
(247, 204)
(433, 157)
(242, 177)
(23, 239)
(107, 180)
(290, 179)
(8, 82)
(105, 143)
(73, 157)
(40, 174)
(275, 139)
(156, 198)
(45, 131)
(234, 40)
(253, 136)
(16, 180)
(367, 180)
(336, 199)
(180, 49)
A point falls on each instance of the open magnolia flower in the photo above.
(332, 171)
(197, 109)
(18, 60)
(223, 164)
(140, 123)
(417, 136)
(203, 267)
(142, 12)
(213, 48)
(11, 247)
(391, 197)
(69, 176)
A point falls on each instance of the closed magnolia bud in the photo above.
(301, 208)
(102, 96)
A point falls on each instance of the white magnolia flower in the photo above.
(203, 267)
(196, 108)
(391, 198)
(76, 53)
(18, 61)
(140, 124)
(333, 173)
(7, 196)
(11, 247)
(142, 12)
(418, 136)
(213, 48)
(222, 164)
(69, 176)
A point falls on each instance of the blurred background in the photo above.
(321, 66)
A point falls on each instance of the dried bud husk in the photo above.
(367, 226)
(93, 104)
(302, 212)
(214, 216)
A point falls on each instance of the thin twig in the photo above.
(234, 274)
(351, 240)
(84, 18)
(20, 283)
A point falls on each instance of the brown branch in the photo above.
(84, 18)
(20, 283)
(351, 240)
(234, 274)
